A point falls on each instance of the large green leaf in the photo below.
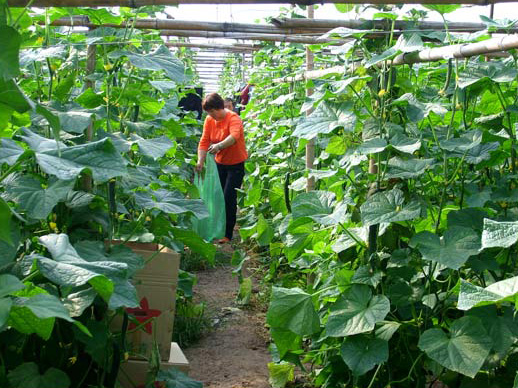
(60, 248)
(77, 302)
(500, 327)
(372, 146)
(313, 203)
(168, 202)
(161, 59)
(264, 231)
(387, 206)
(8, 250)
(154, 148)
(280, 374)
(99, 157)
(89, 99)
(377, 58)
(52, 118)
(480, 152)
(9, 284)
(195, 243)
(25, 321)
(326, 117)
(39, 143)
(173, 378)
(464, 350)
(5, 222)
(124, 295)
(27, 375)
(10, 152)
(350, 239)
(9, 52)
(68, 268)
(443, 8)
(417, 110)
(74, 121)
(409, 42)
(67, 274)
(452, 249)
(164, 86)
(95, 251)
(407, 169)
(469, 218)
(5, 309)
(11, 95)
(285, 341)
(405, 144)
(460, 145)
(493, 70)
(35, 200)
(499, 234)
(44, 306)
(28, 56)
(362, 353)
(357, 311)
(471, 295)
(292, 309)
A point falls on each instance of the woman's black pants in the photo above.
(231, 178)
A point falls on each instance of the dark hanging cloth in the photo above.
(192, 102)
(245, 95)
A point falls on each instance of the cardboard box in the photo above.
(156, 290)
(133, 372)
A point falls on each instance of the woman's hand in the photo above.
(198, 167)
(215, 148)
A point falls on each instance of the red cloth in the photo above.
(217, 131)
(245, 95)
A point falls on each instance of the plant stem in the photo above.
(10, 170)
(80, 383)
(374, 377)
(390, 384)
(363, 103)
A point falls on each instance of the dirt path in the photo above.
(234, 354)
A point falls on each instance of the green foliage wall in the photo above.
(400, 269)
(86, 156)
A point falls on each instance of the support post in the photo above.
(310, 147)
(86, 180)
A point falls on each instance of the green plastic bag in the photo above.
(209, 187)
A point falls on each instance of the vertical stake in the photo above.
(310, 147)
(86, 179)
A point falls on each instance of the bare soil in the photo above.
(234, 354)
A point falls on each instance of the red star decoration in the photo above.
(143, 314)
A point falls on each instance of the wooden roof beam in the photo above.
(141, 3)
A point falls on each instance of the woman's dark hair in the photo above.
(212, 101)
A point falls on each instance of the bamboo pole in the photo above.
(494, 45)
(385, 24)
(215, 47)
(250, 36)
(491, 47)
(141, 3)
(310, 146)
(91, 52)
(173, 24)
(289, 26)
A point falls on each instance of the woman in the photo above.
(223, 135)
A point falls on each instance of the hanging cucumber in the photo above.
(287, 192)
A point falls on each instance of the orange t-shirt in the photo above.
(216, 131)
